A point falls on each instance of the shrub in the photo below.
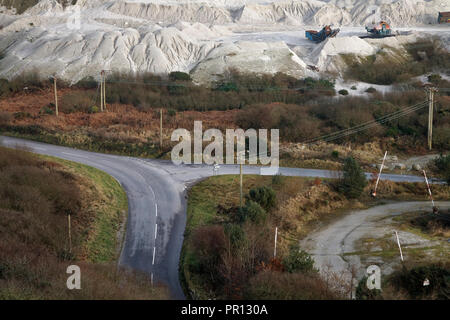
(272, 285)
(412, 281)
(441, 137)
(343, 92)
(434, 78)
(94, 109)
(20, 6)
(354, 180)
(277, 179)
(424, 56)
(312, 83)
(5, 118)
(371, 90)
(443, 164)
(335, 154)
(21, 115)
(208, 243)
(235, 233)
(30, 80)
(252, 211)
(227, 86)
(76, 102)
(47, 109)
(353, 88)
(264, 196)
(90, 83)
(174, 90)
(429, 54)
(364, 293)
(298, 261)
(294, 121)
(171, 112)
(179, 76)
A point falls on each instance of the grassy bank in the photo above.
(213, 206)
(109, 207)
(36, 195)
(86, 141)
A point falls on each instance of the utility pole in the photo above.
(241, 176)
(430, 92)
(399, 246)
(56, 97)
(70, 234)
(161, 128)
(374, 193)
(101, 91)
(240, 185)
(435, 209)
(104, 90)
(275, 247)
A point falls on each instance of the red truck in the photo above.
(444, 17)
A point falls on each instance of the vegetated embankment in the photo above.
(37, 194)
(228, 252)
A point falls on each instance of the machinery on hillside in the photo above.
(380, 30)
(319, 36)
(444, 17)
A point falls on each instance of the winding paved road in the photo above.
(156, 191)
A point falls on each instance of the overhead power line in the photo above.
(367, 125)
(373, 124)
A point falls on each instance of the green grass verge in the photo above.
(204, 199)
(103, 243)
(86, 142)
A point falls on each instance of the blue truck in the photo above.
(319, 36)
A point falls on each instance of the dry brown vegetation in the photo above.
(406, 283)
(274, 285)
(301, 108)
(392, 66)
(435, 226)
(36, 196)
(224, 258)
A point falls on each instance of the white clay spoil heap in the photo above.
(206, 38)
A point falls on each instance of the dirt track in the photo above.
(329, 244)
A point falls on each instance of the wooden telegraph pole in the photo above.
(101, 91)
(399, 246)
(70, 233)
(104, 90)
(56, 97)
(240, 179)
(161, 128)
(430, 92)
(240, 185)
(275, 246)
